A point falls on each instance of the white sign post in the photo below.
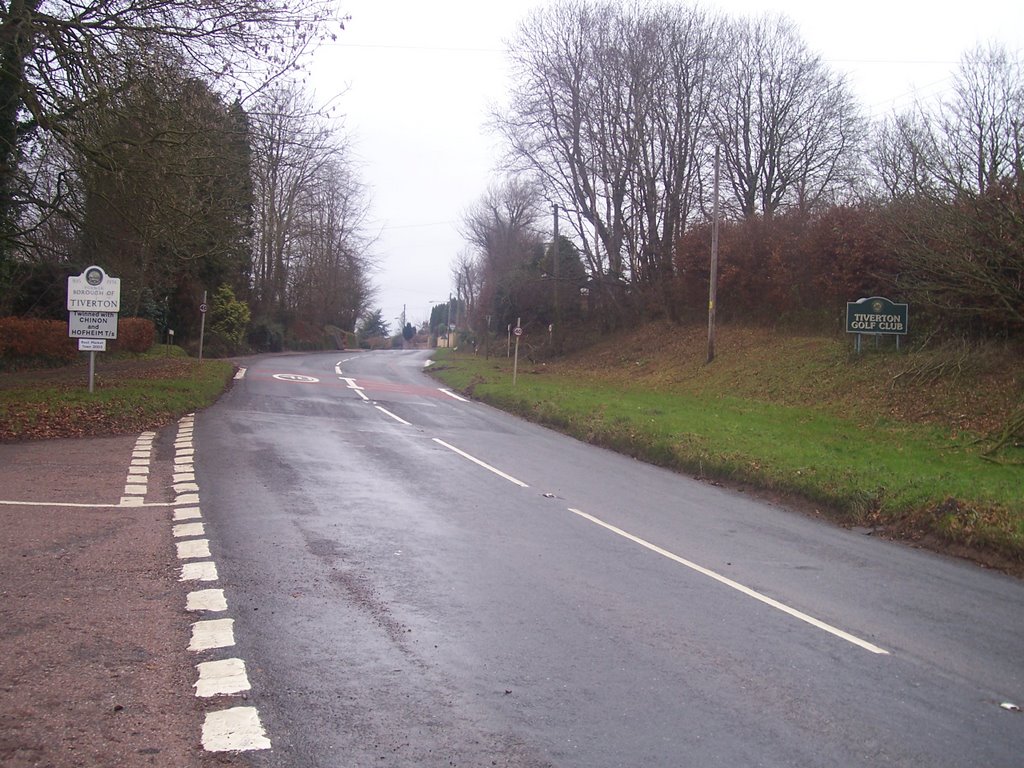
(94, 299)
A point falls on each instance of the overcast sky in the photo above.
(417, 80)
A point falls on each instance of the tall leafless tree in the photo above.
(788, 126)
(309, 211)
(609, 111)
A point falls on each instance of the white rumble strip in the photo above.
(237, 729)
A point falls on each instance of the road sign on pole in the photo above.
(94, 291)
(94, 299)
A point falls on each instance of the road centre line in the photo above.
(399, 419)
(737, 586)
(483, 464)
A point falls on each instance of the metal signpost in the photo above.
(94, 299)
(877, 315)
(518, 332)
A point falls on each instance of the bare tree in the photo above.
(979, 131)
(901, 156)
(610, 112)
(331, 277)
(309, 259)
(788, 126)
(291, 149)
(502, 232)
(564, 122)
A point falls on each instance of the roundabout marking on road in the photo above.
(296, 377)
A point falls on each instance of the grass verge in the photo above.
(131, 394)
(853, 455)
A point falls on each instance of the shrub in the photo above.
(134, 334)
(28, 342)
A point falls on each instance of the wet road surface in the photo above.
(419, 580)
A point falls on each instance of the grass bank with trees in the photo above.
(911, 445)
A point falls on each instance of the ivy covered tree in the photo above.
(56, 59)
(229, 317)
(166, 192)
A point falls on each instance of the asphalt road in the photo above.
(417, 580)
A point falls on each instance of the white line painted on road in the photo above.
(237, 729)
(126, 502)
(221, 678)
(212, 600)
(736, 585)
(240, 374)
(362, 395)
(193, 549)
(205, 570)
(187, 513)
(184, 530)
(234, 730)
(483, 464)
(351, 383)
(212, 633)
(451, 394)
(399, 419)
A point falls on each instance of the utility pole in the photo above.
(555, 258)
(713, 282)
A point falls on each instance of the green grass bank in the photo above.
(905, 443)
(132, 393)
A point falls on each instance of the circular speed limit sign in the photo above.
(517, 331)
(203, 308)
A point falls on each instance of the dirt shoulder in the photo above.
(94, 666)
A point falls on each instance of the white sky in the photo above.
(418, 81)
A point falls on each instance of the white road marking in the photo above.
(234, 730)
(187, 499)
(240, 374)
(212, 633)
(132, 501)
(736, 585)
(297, 377)
(483, 464)
(399, 419)
(187, 513)
(221, 678)
(351, 383)
(337, 370)
(184, 530)
(362, 395)
(138, 471)
(206, 600)
(205, 570)
(453, 395)
(183, 477)
(193, 549)
(135, 490)
(186, 487)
